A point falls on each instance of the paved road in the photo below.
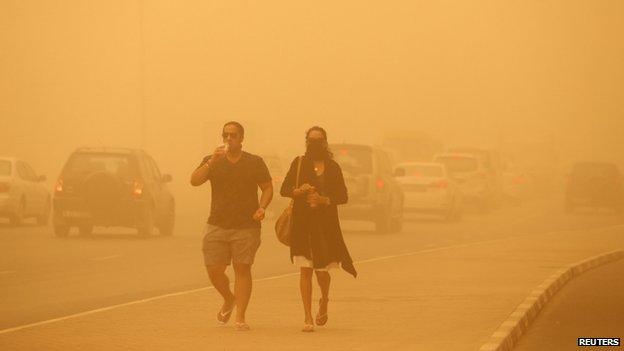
(590, 306)
(43, 277)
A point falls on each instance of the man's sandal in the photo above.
(308, 328)
(224, 317)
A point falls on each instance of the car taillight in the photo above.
(443, 184)
(137, 189)
(380, 184)
(59, 186)
(519, 180)
(4, 187)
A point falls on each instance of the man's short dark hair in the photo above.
(239, 126)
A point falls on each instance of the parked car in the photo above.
(594, 184)
(112, 187)
(469, 172)
(374, 193)
(22, 194)
(429, 188)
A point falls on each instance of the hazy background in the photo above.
(75, 73)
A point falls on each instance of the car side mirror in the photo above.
(399, 172)
(166, 178)
(42, 178)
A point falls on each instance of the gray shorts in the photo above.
(224, 246)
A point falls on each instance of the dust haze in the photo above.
(541, 83)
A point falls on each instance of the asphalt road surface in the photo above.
(43, 277)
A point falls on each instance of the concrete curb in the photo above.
(510, 331)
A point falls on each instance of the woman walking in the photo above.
(316, 244)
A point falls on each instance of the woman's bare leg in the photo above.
(305, 285)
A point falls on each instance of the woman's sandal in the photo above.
(321, 319)
(241, 326)
(308, 328)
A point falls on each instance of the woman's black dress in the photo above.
(316, 232)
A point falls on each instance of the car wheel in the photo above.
(167, 223)
(382, 223)
(85, 229)
(61, 231)
(146, 228)
(18, 216)
(45, 216)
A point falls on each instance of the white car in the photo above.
(471, 175)
(22, 194)
(428, 188)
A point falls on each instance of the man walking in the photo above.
(232, 234)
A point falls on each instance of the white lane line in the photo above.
(86, 313)
(105, 258)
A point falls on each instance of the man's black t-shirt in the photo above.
(235, 191)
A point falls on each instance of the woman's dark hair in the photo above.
(238, 126)
(322, 130)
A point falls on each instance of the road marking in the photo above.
(104, 258)
(159, 297)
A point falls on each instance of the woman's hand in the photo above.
(304, 189)
(315, 200)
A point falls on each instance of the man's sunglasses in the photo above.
(233, 135)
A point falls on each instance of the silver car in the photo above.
(22, 194)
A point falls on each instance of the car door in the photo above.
(40, 194)
(27, 190)
(156, 184)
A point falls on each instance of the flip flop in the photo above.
(321, 319)
(223, 318)
(308, 328)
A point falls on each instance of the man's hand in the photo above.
(259, 215)
(219, 153)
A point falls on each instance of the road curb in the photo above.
(510, 331)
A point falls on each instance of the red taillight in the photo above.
(380, 184)
(4, 187)
(443, 184)
(344, 151)
(519, 180)
(59, 186)
(137, 189)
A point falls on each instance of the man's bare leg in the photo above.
(220, 281)
(242, 289)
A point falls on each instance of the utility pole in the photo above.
(142, 112)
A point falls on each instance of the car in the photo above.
(22, 193)
(374, 193)
(492, 167)
(517, 184)
(101, 186)
(428, 188)
(594, 184)
(469, 171)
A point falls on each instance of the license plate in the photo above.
(76, 214)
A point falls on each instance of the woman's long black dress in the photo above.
(316, 232)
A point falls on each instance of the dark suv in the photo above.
(112, 187)
(374, 194)
(595, 184)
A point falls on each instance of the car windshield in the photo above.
(422, 170)
(82, 164)
(458, 164)
(355, 160)
(595, 170)
(5, 167)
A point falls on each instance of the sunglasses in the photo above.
(233, 135)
